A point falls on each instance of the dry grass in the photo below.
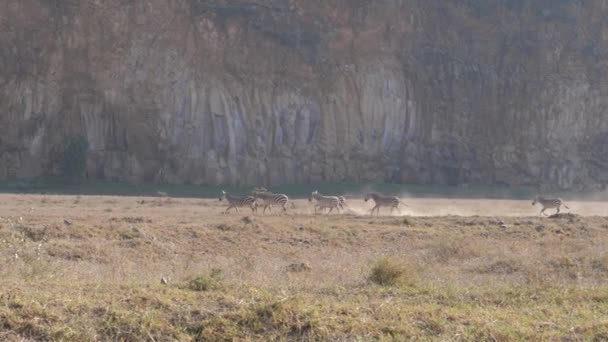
(72, 270)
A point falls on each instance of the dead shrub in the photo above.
(299, 267)
(130, 233)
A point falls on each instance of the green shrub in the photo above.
(206, 282)
(390, 272)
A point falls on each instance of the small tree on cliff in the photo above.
(74, 158)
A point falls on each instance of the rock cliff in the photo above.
(288, 91)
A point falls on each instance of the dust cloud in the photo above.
(436, 206)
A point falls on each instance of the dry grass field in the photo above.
(89, 269)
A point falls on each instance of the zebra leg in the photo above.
(330, 209)
(398, 210)
(226, 211)
(543, 211)
(557, 210)
(392, 208)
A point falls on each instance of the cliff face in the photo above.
(286, 91)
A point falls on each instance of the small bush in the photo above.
(207, 282)
(390, 272)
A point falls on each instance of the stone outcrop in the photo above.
(289, 91)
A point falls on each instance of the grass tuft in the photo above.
(212, 281)
(391, 272)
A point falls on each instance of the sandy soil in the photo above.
(92, 206)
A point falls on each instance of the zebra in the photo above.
(323, 202)
(549, 203)
(383, 201)
(270, 198)
(342, 200)
(163, 196)
(236, 202)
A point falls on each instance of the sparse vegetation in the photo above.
(295, 277)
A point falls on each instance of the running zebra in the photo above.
(236, 202)
(383, 201)
(548, 203)
(323, 202)
(342, 202)
(270, 198)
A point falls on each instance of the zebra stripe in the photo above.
(270, 199)
(549, 203)
(237, 202)
(383, 201)
(323, 202)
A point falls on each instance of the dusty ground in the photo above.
(89, 268)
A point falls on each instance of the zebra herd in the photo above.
(268, 199)
(261, 196)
